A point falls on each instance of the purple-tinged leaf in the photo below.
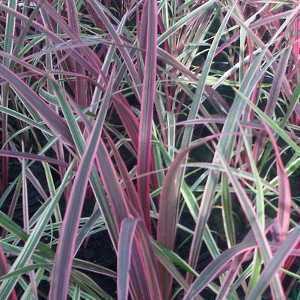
(136, 258)
(30, 176)
(126, 237)
(132, 196)
(119, 43)
(121, 210)
(31, 156)
(167, 58)
(259, 234)
(56, 123)
(273, 266)
(73, 17)
(285, 198)
(168, 208)
(277, 85)
(169, 265)
(231, 275)
(67, 241)
(217, 120)
(112, 186)
(142, 28)
(86, 55)
(129, 120)
(147, 103)
(4, 269)
(110, 180)
(80, 84)
(54, 38)
(217, 266)
(279, 76)
(145, 251)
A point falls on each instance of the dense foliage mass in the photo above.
(150, 149)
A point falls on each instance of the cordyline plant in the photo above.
(161, 137)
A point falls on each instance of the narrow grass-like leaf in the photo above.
(66, 247)
(146, 253)
(33, 240)
(215, 267)
(8, 48)
(230, 276)
(168, 210)
(271, 123)
(33, 100)
(227, 212)
(260, 208)
(274, 264)
(147, 102)
(276, 88)
(31, 156)
(127, 233)
(133, 199)
(185, 20)
(285, 200)
(80, 84)
(260, 237)
(225, 145)
(202, 81)
(80, 145)
(4, 270)
(127, 59)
